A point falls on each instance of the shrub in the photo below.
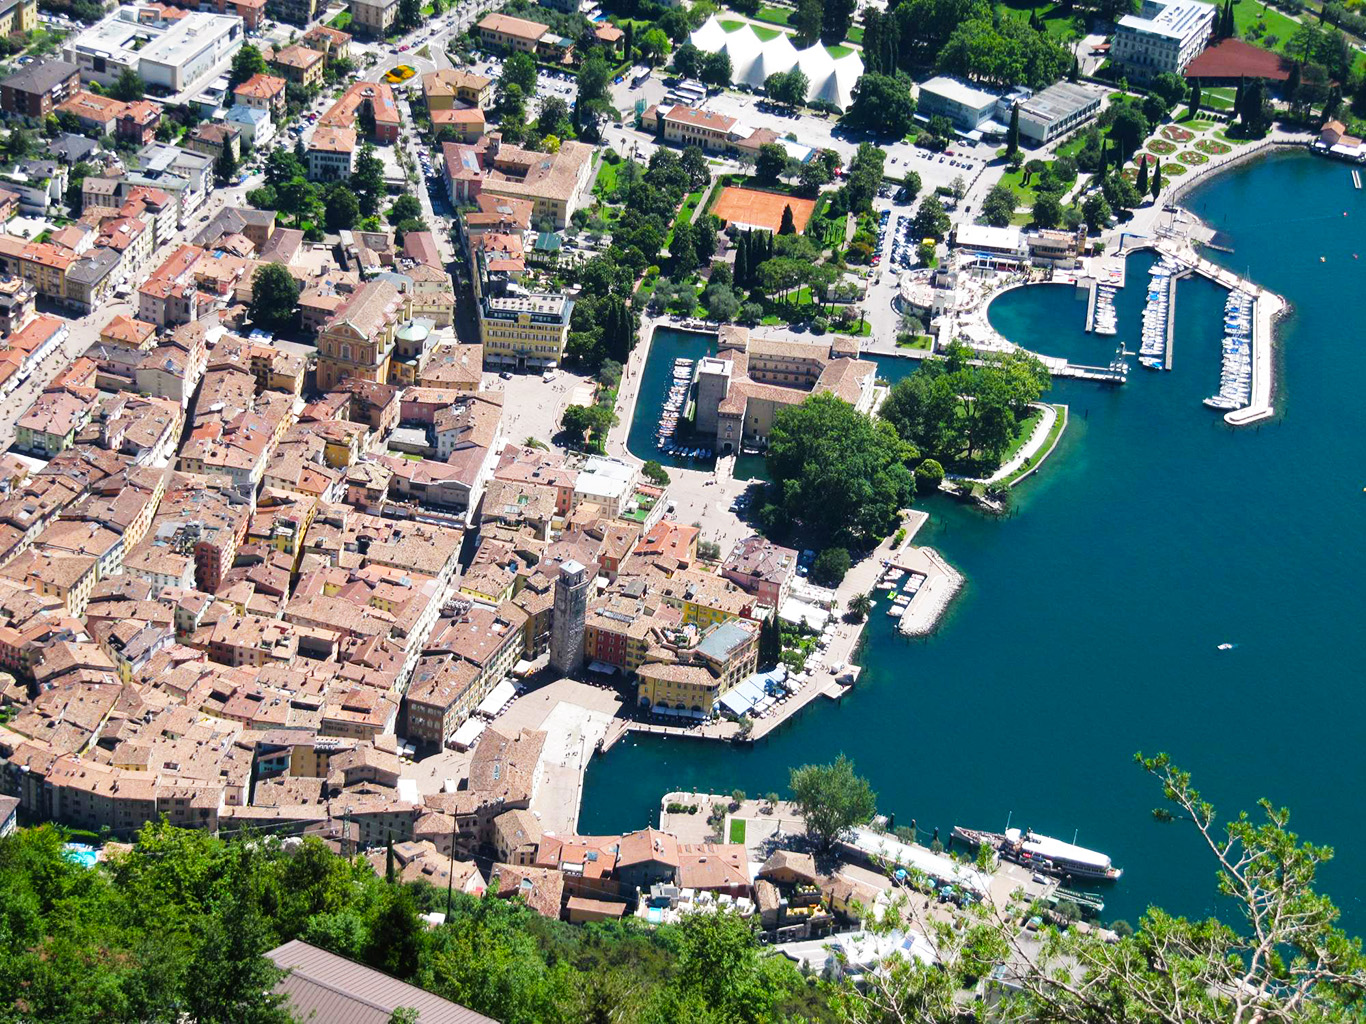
(928, 476)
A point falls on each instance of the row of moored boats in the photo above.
(1152, 351)
(1235, 376)
(901, 586)
(1104, 321)
(673, 410)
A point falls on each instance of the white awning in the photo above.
(498, 698)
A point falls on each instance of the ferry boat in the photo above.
(1043, 853)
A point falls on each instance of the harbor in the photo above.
(1036, 635)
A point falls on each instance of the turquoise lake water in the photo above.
(1088, 626)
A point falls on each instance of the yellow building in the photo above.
(450, 86)
(358, 339)
(697, 676)
(18, 16)
(511, 33)
(524, 330)
(301, 65)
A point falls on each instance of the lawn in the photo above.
(1056, 21)
(855, 35)
(1218, 99)
(737, 830)
(607, 179)
(1049, 442)
(922, 342)
(689, 205)
(342, 21)
(1247, 13)
(838, 51)
(774, 15)
(765, 34)
(1015, 179)
(730, 25)
(1023, 430)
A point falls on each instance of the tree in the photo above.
(1280, 958)
(721, 303)
(409, 13)
(882, 104)
(859, 607)
(999, 205)
(342, 210)
(1195, 98)
(1120, 193)
(368, 180)
(274, 297)
(831, 798)
(716, 69)
(789, 226)
(1141, 185)
(840, 474)
(654, 46)
(245, 63)
(406, 207)
(787, 87)
(688, 60)
(770, 642)
(930, 220)
(808, 20)
(1096, 212)
(1013, 133)
(830, 567)
(1156, 186)
(128, 87)
(654, 472)
(1129, 128)
(911, 183)
(1047, 211)
(837, 18)
(771, 162)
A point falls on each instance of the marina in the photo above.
(674, 410)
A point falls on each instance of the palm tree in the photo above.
(860, 605)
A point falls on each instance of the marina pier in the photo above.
(1266, 306)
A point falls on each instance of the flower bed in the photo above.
(1172, 170)
(1213, 147)
(1161, 147)
(1177, 134)
(400, 73)
(1193, 158)
(1144, 158)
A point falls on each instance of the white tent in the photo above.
(710, 37)
(742, 47)
(839, 87)
(778, 57)
(817, 65)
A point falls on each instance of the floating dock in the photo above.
(1356, 177)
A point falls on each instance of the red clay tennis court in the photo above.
(746, 207)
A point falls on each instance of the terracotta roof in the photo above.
(1233, 58)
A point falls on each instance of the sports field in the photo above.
(747, 207)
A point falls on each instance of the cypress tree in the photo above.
(630, 40)
(1142, 183)
(1238, 100)
(1157, 180)
(789, 225)
(1292, 84)
(1195, 97)
(1075, 73)
(1104, 161)
(1013, 135)
(389, 873)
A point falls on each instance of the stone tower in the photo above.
(567, 624)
